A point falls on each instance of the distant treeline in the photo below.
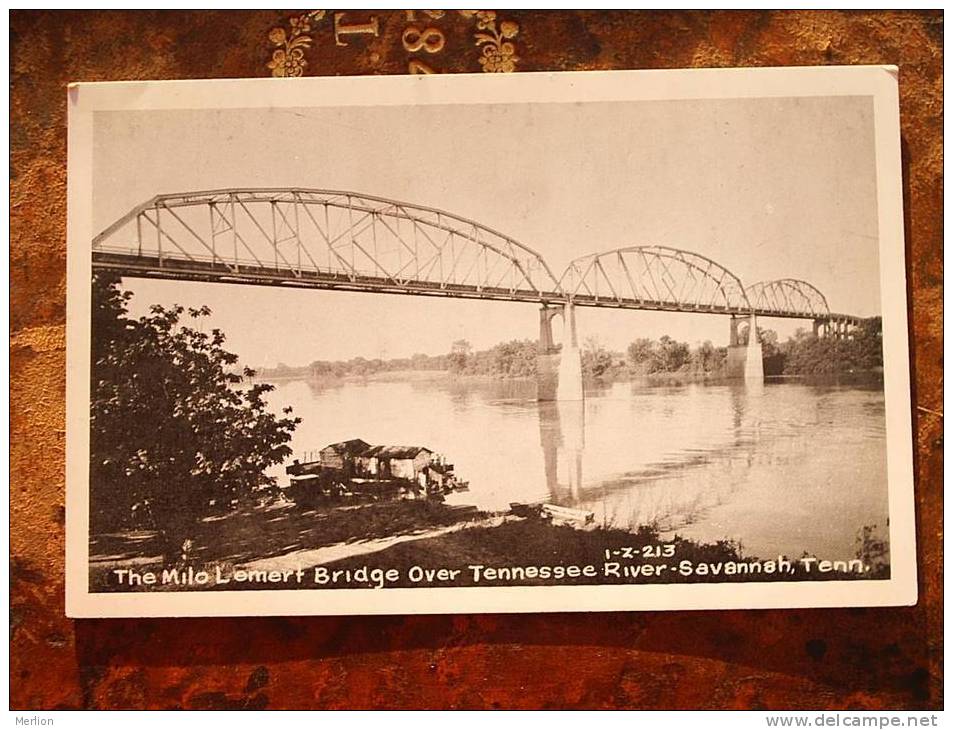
(515, 359)
(802, 354)
(805, 354)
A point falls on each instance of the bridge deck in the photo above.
(252, 273)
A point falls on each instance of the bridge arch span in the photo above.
(322, 238)
(788, 297)
(654, 277)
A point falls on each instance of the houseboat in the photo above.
(355, 467)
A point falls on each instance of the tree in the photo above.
(769, 342)
(706, 358)
(172, 434)
(596, 359)
(672, 355)
(771, 356)
(459, 353)
(639, 352)
(513, 359)
(805, 354)
(868, 344)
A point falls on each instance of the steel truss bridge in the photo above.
(326, 239)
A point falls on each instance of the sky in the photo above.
(769, 188)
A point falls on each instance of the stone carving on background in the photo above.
(426, 36)
(288, 59)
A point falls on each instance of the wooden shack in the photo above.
(395, 462)
(355, 467)
(341, 455)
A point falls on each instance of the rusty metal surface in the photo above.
(848, 658)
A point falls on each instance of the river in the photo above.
(781, 468)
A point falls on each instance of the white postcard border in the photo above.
(879, 82)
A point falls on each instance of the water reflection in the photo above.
(784, 467)
(562, 435)
(665, 492)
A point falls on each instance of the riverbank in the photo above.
(514, 552)
(270, 532)
(872, 377)
(409, 539)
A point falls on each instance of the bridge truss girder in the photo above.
(321, 238)
(329, 239)
(654, 277)
(789, 297)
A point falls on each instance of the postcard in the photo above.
(593, 341)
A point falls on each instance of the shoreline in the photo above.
(874, 375)
(396, 537)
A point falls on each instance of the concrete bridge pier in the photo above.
(843, 329)
(834, 328)
(838, 328)
(558, 368)
(547, 356)
(745, 359)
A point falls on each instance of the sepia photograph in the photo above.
(602, 341)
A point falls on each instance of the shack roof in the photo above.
(395, 452)
(352, 447)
